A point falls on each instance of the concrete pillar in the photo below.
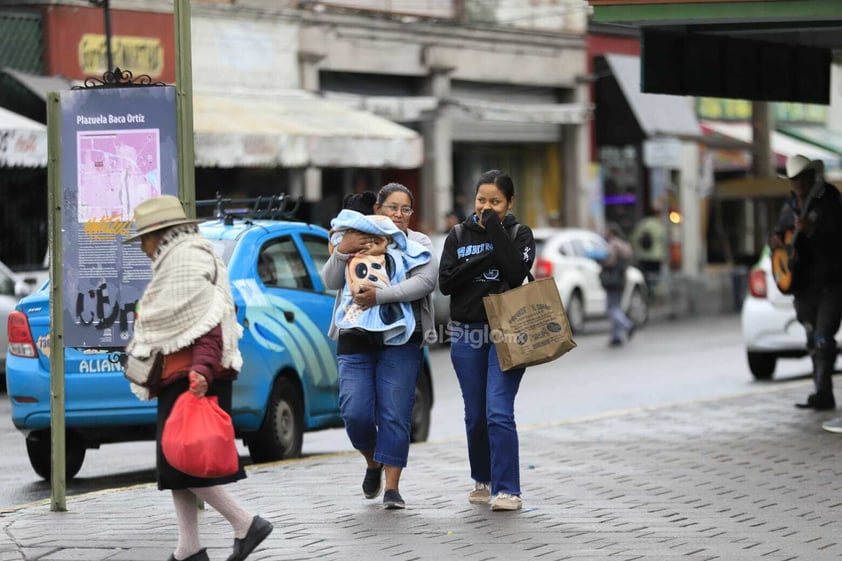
(574, 168)
(691, 224)
(310, 54)
(762, 126)
(437, 169)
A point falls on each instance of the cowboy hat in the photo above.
(158, 213)
(796, 165)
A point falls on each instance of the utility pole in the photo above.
(105, 4)
(184, 106)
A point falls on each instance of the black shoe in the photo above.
(818, 403)
(258, 531)
(615, 343)
(201, 555)
(373, 482)
(392, 500)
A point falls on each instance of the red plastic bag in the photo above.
(198, 437)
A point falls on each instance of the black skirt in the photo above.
(168, 476)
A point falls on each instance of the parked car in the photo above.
(441, 302)
(288, 384)
(8, 300)
(571, 257)
(13, 286)
(770, 329)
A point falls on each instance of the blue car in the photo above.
(288, 384)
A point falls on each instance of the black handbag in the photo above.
(613, 278)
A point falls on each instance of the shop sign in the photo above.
(141, 55)
(720, 109)
(23, 148)
(662, 153)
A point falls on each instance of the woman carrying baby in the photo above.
(377, 376)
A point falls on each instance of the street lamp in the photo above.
(105, 4)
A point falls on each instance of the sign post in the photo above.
(58, 481)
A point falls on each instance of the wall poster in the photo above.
(118, 148)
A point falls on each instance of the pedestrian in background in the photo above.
(816, 220)
(489, 253)
(649, 242)
(613, 277)
(187, 312)
(377, 381)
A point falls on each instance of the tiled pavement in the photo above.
(736, 478)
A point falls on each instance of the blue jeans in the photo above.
(376, 395)
(489, 396)
(620, 322)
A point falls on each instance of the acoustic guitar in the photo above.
(783, 261)
(784, 258)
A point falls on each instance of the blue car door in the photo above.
(299, 315)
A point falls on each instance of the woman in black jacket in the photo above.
(489, 253)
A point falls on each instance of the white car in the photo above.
(770, 330)
(441, 302)
(13, 286)
(569, 255)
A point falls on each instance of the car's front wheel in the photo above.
(638, 310)
(762, 365)
(282, 433)
(575, 310)
(38, 447)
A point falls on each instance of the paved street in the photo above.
(734, 478)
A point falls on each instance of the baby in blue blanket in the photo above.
(387, 261)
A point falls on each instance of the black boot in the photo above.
(823, 399)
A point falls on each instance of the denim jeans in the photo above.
(620, 322)
(376, 395)
(489, 396)
(819, 310)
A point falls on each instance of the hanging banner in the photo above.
(118, 148)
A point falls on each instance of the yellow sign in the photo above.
(140, 55)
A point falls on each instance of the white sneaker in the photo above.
(506, 501)
(833, 425)
(480, 495)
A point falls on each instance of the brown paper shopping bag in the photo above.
(528, 324)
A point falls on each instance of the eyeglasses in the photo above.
(394, 209)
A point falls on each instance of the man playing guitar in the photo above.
(815, 214)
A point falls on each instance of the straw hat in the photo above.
(158, 213)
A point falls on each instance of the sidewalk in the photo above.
(732, 479)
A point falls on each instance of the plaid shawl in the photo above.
(188, 296)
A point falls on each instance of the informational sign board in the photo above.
(118, 148)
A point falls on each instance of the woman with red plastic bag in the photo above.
(187, 313)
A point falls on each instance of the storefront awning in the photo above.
(26, 94)
(657, 114)
(23, 142)
(294, 128)
(782, 145)
(819, 136)
(542, 113)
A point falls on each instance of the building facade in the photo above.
(320, 100)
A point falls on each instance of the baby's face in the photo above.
(379, 246)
